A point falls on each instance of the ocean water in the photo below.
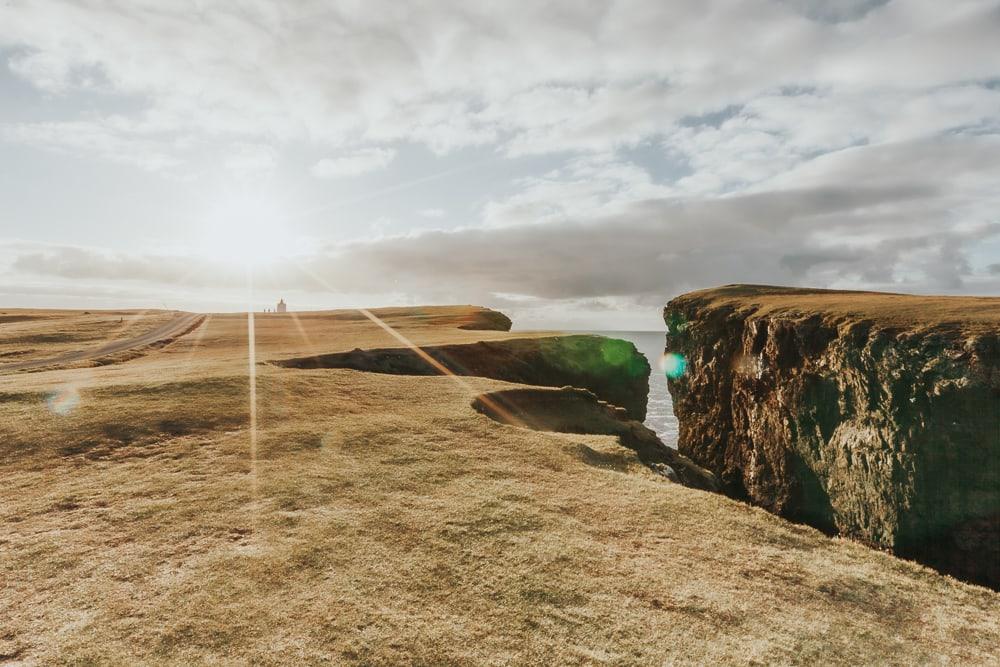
(659, 410)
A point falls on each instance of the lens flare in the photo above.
(673, 365)
(63, 400)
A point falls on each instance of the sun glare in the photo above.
(247, 229)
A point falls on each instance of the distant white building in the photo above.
(282, 306)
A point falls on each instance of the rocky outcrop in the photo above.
(487, 320)
(572, 410)
(873, 416)
(472, 318)
(613, 369)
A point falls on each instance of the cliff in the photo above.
(572, 410)
(612, 369)
(873, 416)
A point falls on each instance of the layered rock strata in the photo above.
(873, 416)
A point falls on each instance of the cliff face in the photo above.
(613, 369)
(873, 416)
(572, 410)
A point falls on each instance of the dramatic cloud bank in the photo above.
(650, 147)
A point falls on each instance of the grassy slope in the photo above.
(39, 334)
(384, 521)
(969, 314)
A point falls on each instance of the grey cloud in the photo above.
(801, 263)
(655, 247)
(89, 264)
(872, 216)
(711, 118)
(533, 76)
(835, 11)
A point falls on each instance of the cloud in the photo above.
(651, 248)
(249, 158)
(80, 263)
(533, 77)
(835, 11)
(584, 186)
(354, 164)
(646, 147)
(886, 233)
(96, 138)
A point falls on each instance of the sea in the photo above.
(660, 410)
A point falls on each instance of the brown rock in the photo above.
(873, 416)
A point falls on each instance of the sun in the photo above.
(245, 229)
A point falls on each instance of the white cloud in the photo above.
(249, 158)
(45, 70)
(102, 139)
(354, 164)
(584, 187)
(847, 222)
(532, 76)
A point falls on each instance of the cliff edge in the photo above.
(613, 369)
(869, 415)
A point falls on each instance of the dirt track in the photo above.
(178, 326)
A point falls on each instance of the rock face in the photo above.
(873, 416)
(613, 369)
(572, 410)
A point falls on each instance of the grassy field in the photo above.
(967, 315)
(40, 334)
(378, 519)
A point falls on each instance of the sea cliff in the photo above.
(613, 369)
(872, 416)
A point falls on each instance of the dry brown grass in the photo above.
(39, 334)
(384, 521)
(969, 314)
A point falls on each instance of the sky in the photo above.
(574, 164)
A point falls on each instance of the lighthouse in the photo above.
(282, 306)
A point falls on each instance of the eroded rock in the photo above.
(572, 410)
(872, 416)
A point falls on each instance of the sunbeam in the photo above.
(252, 377)
(199, 335)
(434, 363)
(444, 370)
(382, 192)
(302, 332)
